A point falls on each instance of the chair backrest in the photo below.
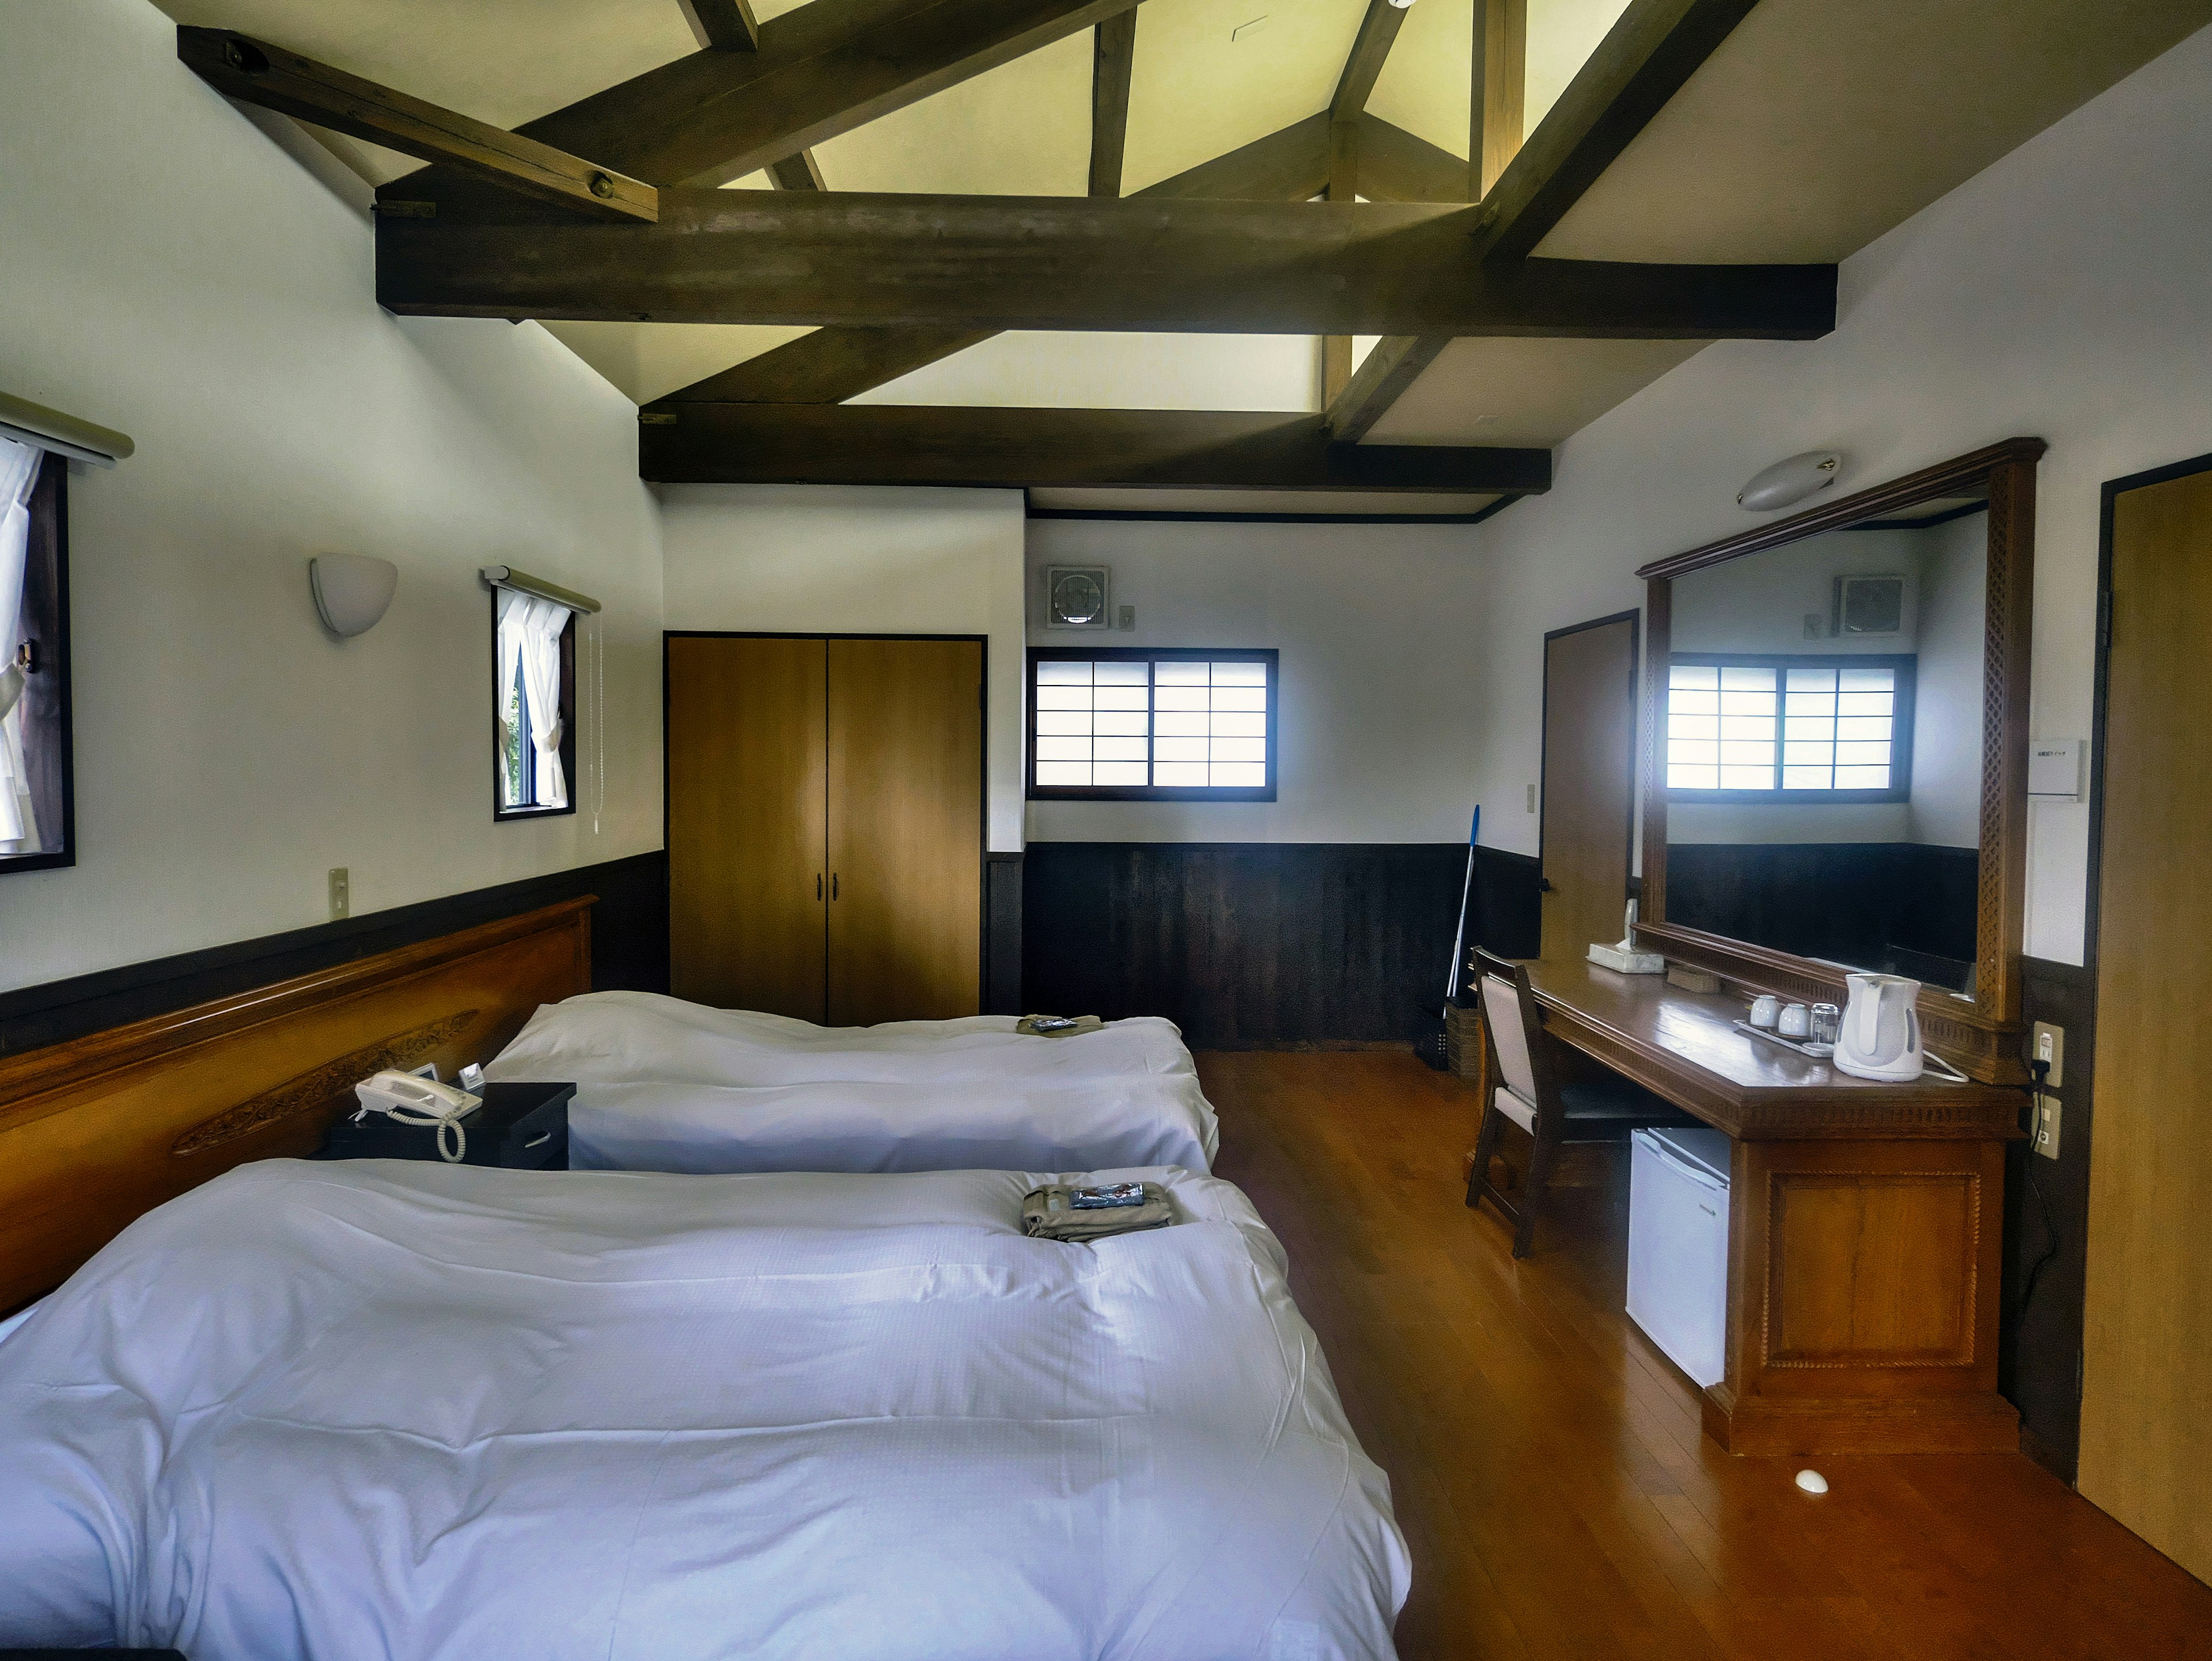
(1510, 1014)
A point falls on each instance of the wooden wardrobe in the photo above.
(825, 826)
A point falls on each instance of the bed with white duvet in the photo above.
(395, 1409)
(663, 1085)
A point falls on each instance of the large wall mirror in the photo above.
(1836, 770)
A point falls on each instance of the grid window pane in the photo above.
(1173, 723)
(1747, 778)
(1704, 675)
(1693, 778)
(1783, 726)
(1862, 778)
(1737, 679)
(1869, 680)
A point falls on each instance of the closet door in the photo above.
(906, 829)
(1590, 782)
(747, 729)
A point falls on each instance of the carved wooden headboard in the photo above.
(95, 1132)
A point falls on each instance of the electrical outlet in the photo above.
(2048, 1044)
(1126, 617)
(341, 892)
(2046, 1126)
(1816, 626)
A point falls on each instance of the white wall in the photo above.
(2062, 293)
(801, 558)
(1377, 627)
(169, 269)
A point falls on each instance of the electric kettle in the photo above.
(1881, 1035)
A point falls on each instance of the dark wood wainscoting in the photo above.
(629, 952)
(1245, 945)
(2047, 1224)
(1846, 902)
(1002, 934)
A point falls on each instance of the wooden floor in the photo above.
(1546, 1459)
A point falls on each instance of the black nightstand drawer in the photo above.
(520, 1127)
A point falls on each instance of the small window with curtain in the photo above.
(534, 694)
(1183, 725)
(1828, 728)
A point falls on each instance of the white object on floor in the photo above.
(1144, 1119)
(1677, 1232)
(484, 1412)
(1812, 1481)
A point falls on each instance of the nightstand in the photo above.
(520, 1127)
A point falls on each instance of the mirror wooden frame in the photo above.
(1979, 1034)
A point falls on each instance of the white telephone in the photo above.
(413, 1100)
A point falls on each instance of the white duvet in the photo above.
(663, 1085)
(408, 1410)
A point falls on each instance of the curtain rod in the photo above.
(506, 576)
(64, 434)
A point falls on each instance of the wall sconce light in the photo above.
(352, 591)
(1790, 481)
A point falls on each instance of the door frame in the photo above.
(1633, 617)
(983, 780)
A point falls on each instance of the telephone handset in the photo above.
(414, 1100)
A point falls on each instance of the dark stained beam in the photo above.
(1396, 167)
(1113, 54)
(822, 70)
(1063, 263)
(797, 172)
(722, 25)
(1371, 48)
(893, 444)
(829, 366)
(1644, 58)
(1394, 364)
(1498, 96)
(833, 364)
(254, 72)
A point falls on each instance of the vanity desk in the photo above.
(1864, 1226)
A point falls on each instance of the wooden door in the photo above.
(1590, 782)
(747, 737)
(2147, 1343)
(906, 829)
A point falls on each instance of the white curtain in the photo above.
(513, 608)
(530, 631)
(19, 471)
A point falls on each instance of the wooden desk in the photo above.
(1864, 1224)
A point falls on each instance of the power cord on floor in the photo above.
(2041, 1069)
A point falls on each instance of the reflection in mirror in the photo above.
(1823, 745)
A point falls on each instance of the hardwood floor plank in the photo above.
(1548, 1462)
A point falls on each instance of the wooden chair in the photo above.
(1526, 1088)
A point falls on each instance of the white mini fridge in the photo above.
(1678, 1230)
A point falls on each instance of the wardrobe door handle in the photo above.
(817, 886)
(832, 885)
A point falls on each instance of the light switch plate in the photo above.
(341, 892)
(2047, 1127)
(2054, 770)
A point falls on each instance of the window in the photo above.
(1826, 729)
(38, 822)
(534, 702)
(1164, 726)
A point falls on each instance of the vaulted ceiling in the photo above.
(1791, 132)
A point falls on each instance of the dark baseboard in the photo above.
(629, 952)
(2047, 1217)
(1244, 946)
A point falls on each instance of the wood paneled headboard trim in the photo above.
(95, 1132)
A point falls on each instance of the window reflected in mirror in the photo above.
(1823, 745)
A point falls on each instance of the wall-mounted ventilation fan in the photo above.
(1075, 597)
(1870, 605)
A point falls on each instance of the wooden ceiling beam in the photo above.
(1394, 364)
(1644, 58)
(1371, 49)
(1063, 263)
(895, 444)
(254, 72)
(1396, 167)
(797, 172)
(1113, 55)
(833, 364)
(722, 25)
(1498, 97)
(822, 70)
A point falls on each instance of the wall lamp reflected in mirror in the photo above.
(352, 591)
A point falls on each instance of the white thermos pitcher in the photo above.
(1881, 1035)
